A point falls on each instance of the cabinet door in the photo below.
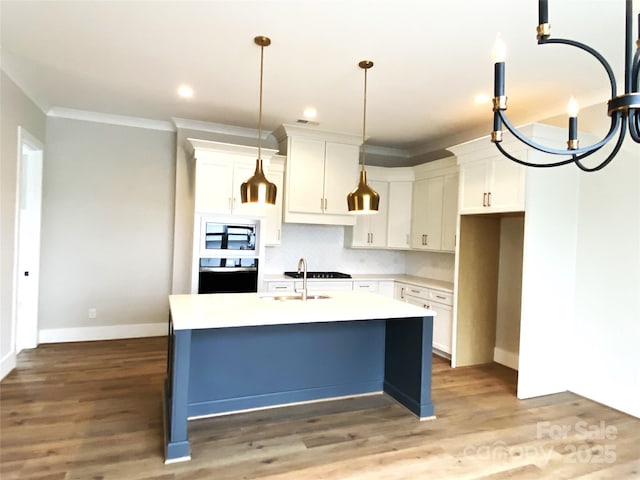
(340, 176)
(213, 187)
(399, 291)
(442, 323)
(449, 212)
(427, 214)
(473, 186)
(241, 173)
(506, 186)
(378, 221)
(399, 214)
(361, 231)
(305, 170)
(272, 224)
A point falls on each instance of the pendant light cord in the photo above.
(260, 109)
(364, 118)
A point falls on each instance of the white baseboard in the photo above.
(106, 332)
(506, 358)
(7, 364)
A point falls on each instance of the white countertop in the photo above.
(224, 310)
(396, 277)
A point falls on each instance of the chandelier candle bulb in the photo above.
(543, 12)
(572, 110)
(499, 54)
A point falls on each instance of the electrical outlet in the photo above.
(93, 313)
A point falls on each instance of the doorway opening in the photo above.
(27, 240)
(490, 292)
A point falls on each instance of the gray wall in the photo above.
(16, 109)
(107, 224)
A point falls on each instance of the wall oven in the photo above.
(221, 239)
(228, 275)
(228, 256)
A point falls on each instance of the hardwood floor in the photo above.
(92, 411)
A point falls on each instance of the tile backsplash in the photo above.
(323, 248)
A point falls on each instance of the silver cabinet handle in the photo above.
(322, 204)
(489, 199)
(325, 203)
(440, 296)
(279, 234)
(408, 242)
(281, 287)
(415, 291)
(402, 293)
(484, 199)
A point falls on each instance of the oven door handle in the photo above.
(228, 269)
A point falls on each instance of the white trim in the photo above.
(25, 139)
(111, 119)
(387, 151)
(199, 125)
(506, 358)
(7, 364)
(288, 404)
(104, 332)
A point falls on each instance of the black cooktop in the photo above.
(318, 275)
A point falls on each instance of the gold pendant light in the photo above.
(258, 190)
(364, 199)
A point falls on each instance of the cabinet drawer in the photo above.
(441, 297)
(419, 292)
(325, 285)
(368, 286)
(280, 286)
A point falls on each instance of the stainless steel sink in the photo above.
(286, 298)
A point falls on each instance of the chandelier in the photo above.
(624, 109)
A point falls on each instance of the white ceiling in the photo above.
(431, 59)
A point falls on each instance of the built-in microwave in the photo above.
(228, 238)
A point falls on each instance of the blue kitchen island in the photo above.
(242, 351)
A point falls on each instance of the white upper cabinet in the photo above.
(450, 212)
(399, 223)
(371, 230)
(321, 169)
(426, 232)
(391, 226)
(489, 182)
(306, 165)
(435, 206)
(214, 186)
(272, 223)
(220, 170)
(340, 176)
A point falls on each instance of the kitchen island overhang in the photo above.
(243, 351)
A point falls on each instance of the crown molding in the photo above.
(220, 128)
(111, 119)
(388, 151)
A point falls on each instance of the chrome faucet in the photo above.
(302, 264)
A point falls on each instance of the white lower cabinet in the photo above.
(325, 285)
(366, 285)
(440, 302)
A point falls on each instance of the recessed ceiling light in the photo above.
(310, 112)
(185, 91)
